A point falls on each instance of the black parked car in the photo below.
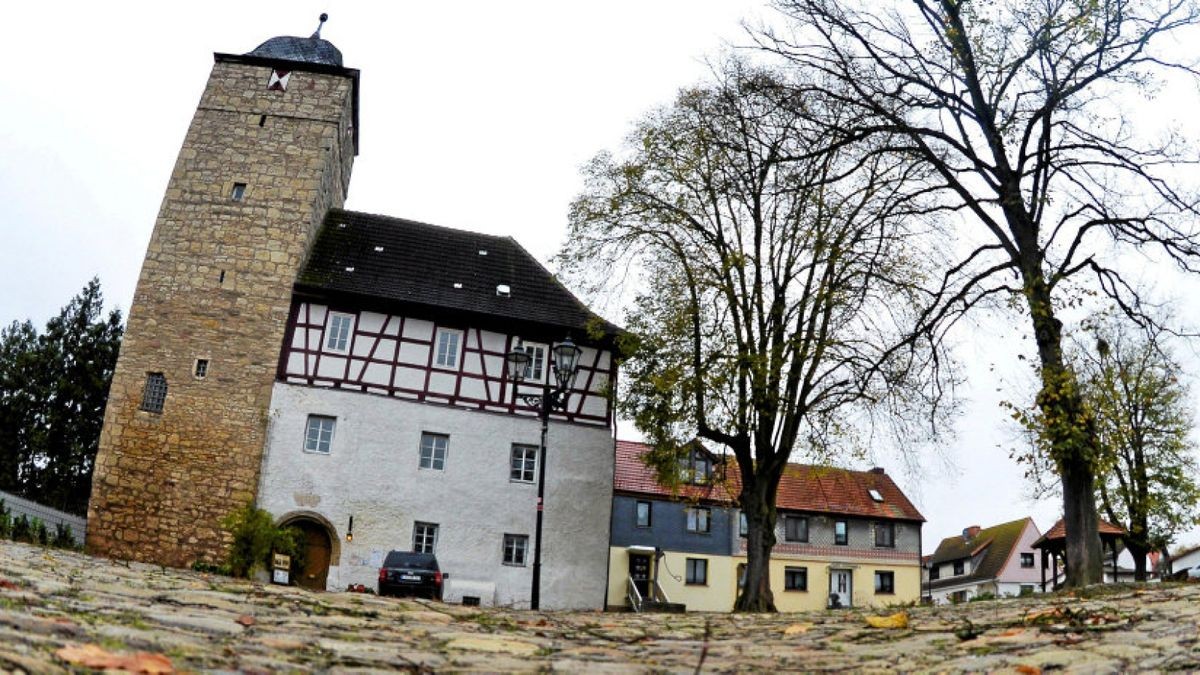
(408, 573)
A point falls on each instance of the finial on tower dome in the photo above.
(324, 18)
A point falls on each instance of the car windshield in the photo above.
(420, 561)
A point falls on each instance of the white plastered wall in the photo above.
(372, 473)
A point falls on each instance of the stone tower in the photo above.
(268, 152)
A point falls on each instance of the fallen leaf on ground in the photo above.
(246, 620)
(95, 656)
(895, 621)
(1029, 670)
(1044, 615)
(797, 629)
(5, 583)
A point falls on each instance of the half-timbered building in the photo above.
(394, 424)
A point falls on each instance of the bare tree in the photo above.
(1018, 109)
(778, 291)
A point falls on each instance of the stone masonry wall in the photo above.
(216, 284)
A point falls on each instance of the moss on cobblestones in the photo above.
(193, 619)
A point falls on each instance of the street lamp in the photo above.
(565, 364)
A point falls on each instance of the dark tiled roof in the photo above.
(1058, 531)
(996, 543)
(304, 50)
(816, 489)
(419, 264)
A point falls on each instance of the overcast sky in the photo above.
(475, 115)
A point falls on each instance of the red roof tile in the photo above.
(804, 487)
(1059, 530)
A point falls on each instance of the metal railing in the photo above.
(633, 595)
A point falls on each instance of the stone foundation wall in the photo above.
(216, 284)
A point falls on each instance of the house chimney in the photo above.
(971, 532)
(877, 469)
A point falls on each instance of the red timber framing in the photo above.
(393, 355)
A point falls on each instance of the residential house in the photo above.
(343, 370)
(1185, 563)
(845, 538)
(999, 560)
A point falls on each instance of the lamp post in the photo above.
(564, 364)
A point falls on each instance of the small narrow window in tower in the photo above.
(238, 192)
(201, 368)
(154, 395)
(262, 120)
(221, 279)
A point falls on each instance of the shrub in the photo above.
(212, 568)
(6, 521)
(255, 538)
(21, 530)
(39, 532)
(63, 537)
(982, 596)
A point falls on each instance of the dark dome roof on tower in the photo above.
(306, 50)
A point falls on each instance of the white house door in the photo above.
(839, 588)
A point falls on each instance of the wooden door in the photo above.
(316, 553)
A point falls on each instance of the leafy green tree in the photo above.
(53, 389)
(777, 289)
(1021, 113)
(1147, 468)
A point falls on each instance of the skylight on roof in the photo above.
(875, 494)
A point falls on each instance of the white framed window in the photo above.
(446, 348)
(318, 435)
(699, 519)
(697, 571)
(424, 537)
(1026, 560)
(516, 549)
(338, 328)
(523, 466)
(200, 370)
(433, 451)
(535, 370)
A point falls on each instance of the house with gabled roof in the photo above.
(845, 538)
(997, 560)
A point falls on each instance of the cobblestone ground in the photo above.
(61, 612)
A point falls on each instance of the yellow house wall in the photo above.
(721, 591)
(907, 579)
(715, 596)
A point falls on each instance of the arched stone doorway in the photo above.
(319, 548)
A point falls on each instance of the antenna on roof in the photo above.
(317, 34)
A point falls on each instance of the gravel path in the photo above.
(60, 612)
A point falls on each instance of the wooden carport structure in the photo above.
(1053, 546)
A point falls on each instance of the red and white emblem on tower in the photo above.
(279, 80)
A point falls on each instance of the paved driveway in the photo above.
(60, 610)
